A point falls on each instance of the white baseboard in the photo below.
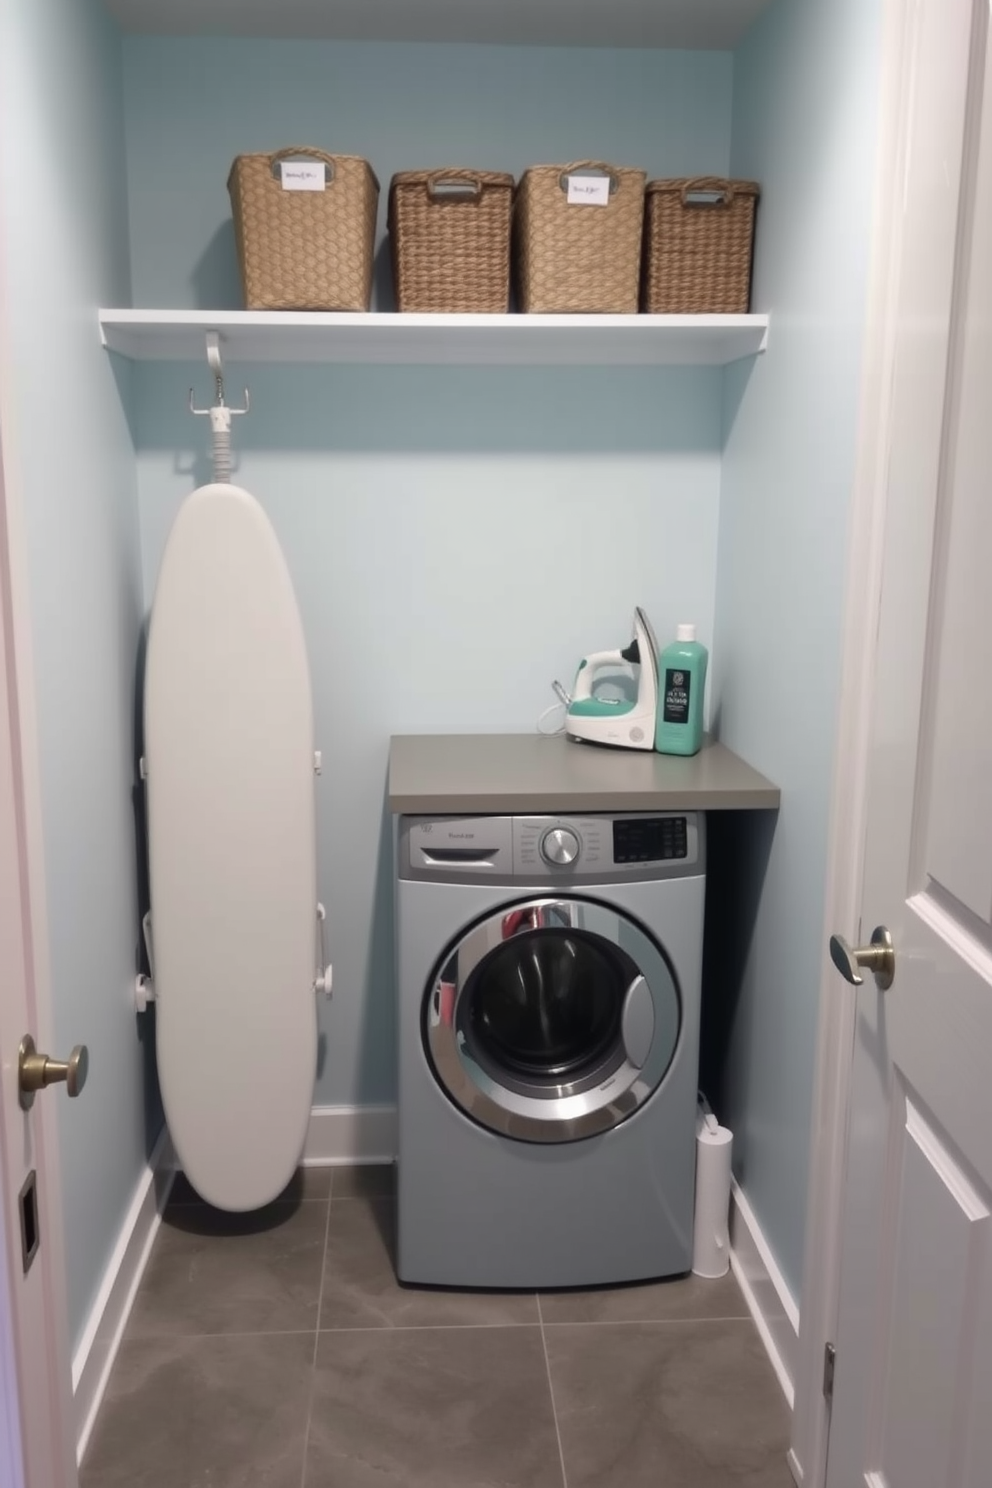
(350, 1134)
(94, 1358)
(769, 1300)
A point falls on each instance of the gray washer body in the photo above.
(477, 1208)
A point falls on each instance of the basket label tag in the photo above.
(589, 191)
(301, 175)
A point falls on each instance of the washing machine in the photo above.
(548, 977)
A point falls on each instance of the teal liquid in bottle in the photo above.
(681, 684)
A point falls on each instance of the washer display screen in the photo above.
(650, 839)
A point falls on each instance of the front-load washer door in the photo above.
(552, 1020)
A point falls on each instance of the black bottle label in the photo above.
(676, 706)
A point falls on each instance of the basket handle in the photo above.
(708, 186)
(445, 184)
(291, 151)
(590, 168)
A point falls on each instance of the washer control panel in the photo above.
(552, 850)
(610, 845)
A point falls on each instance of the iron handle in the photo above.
(36, 1071)
(879, 958)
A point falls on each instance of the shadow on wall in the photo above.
(738, 847)
(383, 286)
(383, 410)
(735, 380)
(378, 1001)
(216, 278)
(154, 1116)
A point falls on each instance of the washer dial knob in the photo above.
(560, 846)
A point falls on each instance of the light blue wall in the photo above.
(456, 540)
(457, 537)
(70, 463)
(804, 125)
(192, 105)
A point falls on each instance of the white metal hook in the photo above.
(214, 359)
(220, 414)
(215, 362)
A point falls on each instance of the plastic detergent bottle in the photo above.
(681, 684)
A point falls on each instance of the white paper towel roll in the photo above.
(711, 1238)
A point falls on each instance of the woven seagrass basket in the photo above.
(698, 244)
(574, 256)
(450, 237)
(304, 250)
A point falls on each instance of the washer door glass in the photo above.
(552, 1020)
(547, 1006)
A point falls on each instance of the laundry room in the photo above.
(459, 532)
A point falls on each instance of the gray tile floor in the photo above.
(277, 1350)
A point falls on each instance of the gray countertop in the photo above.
(507, 773)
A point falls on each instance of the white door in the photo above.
(912, 1403)
(37, 1443)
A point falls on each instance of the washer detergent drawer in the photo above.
(463, 845)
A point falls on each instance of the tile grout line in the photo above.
(440, 1327)
(223, 1333)
(387, 1328)
(551, 1388)
(316, 1337)
(646, 1322)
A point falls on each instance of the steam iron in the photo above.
(623, 722)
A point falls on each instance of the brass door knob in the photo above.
(879, 958)
(35, 1071)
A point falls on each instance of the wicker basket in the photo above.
(578, 257)
(450, 236)
(698, 239)
(304, 250)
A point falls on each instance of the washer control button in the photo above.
(560, 846)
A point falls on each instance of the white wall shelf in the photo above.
(456, 340)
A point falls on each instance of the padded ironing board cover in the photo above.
(228, 751)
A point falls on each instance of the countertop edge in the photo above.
(480, 787)
(478, 805)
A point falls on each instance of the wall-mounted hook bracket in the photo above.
(324, 977)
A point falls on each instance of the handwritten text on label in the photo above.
(297, 176)
(589, 191)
